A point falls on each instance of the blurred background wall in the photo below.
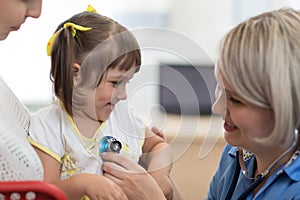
(170, 32)
(23, 54)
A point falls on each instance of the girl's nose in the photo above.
(121, 93)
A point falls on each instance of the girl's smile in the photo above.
(110, 91)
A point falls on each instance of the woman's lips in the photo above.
(229, 127)
(15, 28)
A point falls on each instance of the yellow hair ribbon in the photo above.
(73, 26)
(50, 43)
(90, 8)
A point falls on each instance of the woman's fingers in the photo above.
(122, 162)
(112, 177)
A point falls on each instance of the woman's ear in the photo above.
(76, 73)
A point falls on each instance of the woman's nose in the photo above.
(219, 106)
(34, 9)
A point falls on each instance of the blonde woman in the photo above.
(258, 73)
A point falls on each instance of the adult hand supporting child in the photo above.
(135, 181)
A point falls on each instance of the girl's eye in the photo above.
(115, 83)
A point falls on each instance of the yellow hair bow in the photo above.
(50, 43)
(91, 9)
(74, 28)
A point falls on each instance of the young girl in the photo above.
(92, 59)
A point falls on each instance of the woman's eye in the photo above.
(234, 100)
(27, 1)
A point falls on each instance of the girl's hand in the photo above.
(94, 186)
(102, 188)
(158, 132)
(132, 178)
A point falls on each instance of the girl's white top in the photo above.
(53, 131)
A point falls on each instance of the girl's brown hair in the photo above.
(107, 45)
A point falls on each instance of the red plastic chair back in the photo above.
(30, 190)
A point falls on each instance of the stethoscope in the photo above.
(259, 178)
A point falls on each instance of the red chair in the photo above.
(30, 190)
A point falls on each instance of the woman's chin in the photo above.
(232, 137)
(3, 35)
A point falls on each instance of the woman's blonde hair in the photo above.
(260, 60)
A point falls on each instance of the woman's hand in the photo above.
(132, 178)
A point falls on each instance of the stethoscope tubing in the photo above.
(259, 179)
(235, 179)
